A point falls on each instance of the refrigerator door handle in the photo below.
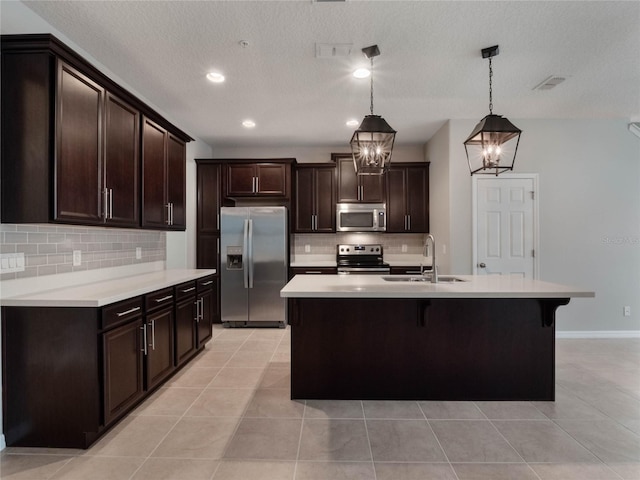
(245, 254)
(250, 259)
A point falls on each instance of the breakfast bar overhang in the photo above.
(478, 338)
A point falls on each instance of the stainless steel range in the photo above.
(361, 259)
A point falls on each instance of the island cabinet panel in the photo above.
(357, 188)
(431, 349)
(315, 205)
(159, 336)
(408, 198)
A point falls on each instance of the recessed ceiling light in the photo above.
(248, 123)
(362, 73)
(215, 77)
(352, 123)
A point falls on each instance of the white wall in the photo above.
(589, 197)
(411, 153)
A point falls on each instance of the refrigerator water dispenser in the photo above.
(234, 258)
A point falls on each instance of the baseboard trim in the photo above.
(598, 334)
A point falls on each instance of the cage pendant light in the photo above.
(492, 146)
(372, 142)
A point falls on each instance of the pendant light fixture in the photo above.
(372, 142)
(492, 146)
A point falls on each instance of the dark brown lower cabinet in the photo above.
(186, 345)
(70, 373)
(159, 353)
(123, 369)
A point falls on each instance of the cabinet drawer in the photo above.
(159, 299)
(185, 290)
(121, 312)
(206, 283)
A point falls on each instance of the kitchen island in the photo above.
(372, 337)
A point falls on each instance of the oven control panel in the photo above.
(346, 249)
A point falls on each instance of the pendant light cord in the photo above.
(490, 88)
(371, 85)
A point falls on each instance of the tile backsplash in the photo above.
(325, 244)
(48, 249)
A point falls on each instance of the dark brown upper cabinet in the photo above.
(354, 188)
(208, 214)
(262, 179)
(315, 205)
(71, 141)
(408, 198)
(163, 178)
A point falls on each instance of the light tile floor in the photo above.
(228, 415)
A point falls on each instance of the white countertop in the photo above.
(104, 292)
(475, 286)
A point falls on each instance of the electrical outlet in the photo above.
(138, 253)
(12, 262)
(444, 249)
(627, 311)
(404, 248)
(307, 248)
(77, 258)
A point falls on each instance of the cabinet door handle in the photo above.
(308, 272)
(144, 339)
(168, 207)
(168, 297)
(105, 203)
(111, 203)
(187, 290)
(171, 212)
(257, 184)
(201, 300)
(127, 312)
(408, 222)
(153, 335)
(204, 284)
(197, 305)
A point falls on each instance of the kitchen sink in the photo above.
(420, 278)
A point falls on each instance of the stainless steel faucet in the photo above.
(434, 268)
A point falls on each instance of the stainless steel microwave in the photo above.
(361, 217)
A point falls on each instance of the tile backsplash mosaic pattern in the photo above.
(325, 244)
(48, 249)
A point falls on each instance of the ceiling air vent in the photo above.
(550, 83)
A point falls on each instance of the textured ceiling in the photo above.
(429, 70)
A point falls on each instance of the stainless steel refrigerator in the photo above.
(253, 265)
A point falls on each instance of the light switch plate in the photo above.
(138, 253)
(77, 258)
(12, 262)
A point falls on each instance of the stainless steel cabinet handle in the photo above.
(408, 222)
(201, 302)
(187, 290)
(257, 184)
(312, 271)
(111, 203)
(168, 297)
(197, 304)
(204, 284)
(105, 203)
(127, 312)
(153, 334)
(168, 207)
(171, 211)
(144, 338)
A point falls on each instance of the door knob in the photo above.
(482, 265)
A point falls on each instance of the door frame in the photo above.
(536, 223)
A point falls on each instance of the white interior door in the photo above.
(505, 217)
